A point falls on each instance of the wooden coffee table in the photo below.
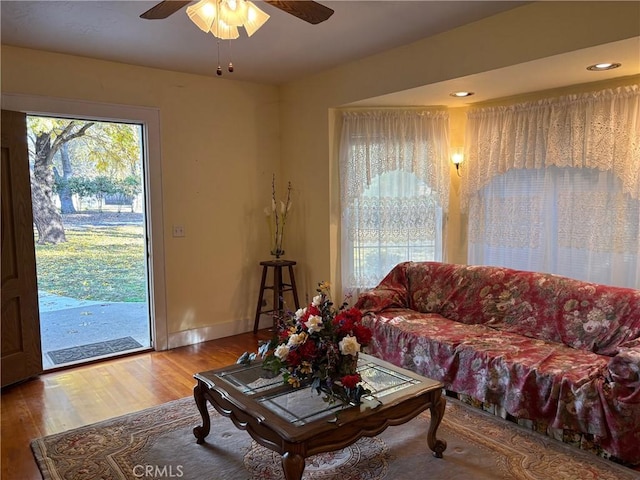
(298, 423)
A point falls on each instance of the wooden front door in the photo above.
(21, 353)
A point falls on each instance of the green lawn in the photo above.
(102, 263)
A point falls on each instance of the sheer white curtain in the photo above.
(394, 186)
(554, 186)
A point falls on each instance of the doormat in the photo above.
(82, 352)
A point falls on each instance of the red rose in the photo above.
(350, 381)
(284, 335)
(363, 334)
(355, 314)
(303, 319)
(293, 358)
(307, 350)
(343, 323)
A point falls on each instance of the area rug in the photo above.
(91, 350)
(159, 443)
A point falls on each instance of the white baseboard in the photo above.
(213, 332)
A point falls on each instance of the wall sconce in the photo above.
(457, 158)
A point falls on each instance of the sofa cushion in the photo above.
(530, 378)
(582, 315)
(600, 318)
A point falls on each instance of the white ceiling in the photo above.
(287, 48)
(548, 73)
(284, 49)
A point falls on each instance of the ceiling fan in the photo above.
(307, 10)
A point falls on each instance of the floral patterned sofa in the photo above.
(539, 346)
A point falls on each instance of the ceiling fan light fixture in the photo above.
(233, 12)
(223, 17)
(255, 18)
(203, 14)
(223, 31)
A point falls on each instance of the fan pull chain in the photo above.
(219, 69)
(230, 68)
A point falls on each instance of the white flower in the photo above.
(349, 345)
(314, 324)
(300, 313)
(297, 339)
(317, 300)
(281, 352)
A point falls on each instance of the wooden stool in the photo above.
(278, 287)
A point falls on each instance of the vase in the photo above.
(348, 365)
(337, 391)
(276, 243)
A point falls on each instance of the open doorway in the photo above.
(90, 230)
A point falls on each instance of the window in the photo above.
(397, 218)
(554, 186)
(394, 189)
(568, 221)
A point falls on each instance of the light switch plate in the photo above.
(178, 231)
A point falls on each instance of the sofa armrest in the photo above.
(624, 372)
(380, 299)
(391, 292)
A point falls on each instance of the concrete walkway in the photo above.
(67, 322)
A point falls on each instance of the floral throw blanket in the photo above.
(543, 347)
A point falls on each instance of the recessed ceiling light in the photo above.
(461, 94)
(603, 66)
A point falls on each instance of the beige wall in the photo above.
(523, 34)
(455, 226)
(219, 145)
(221, 140)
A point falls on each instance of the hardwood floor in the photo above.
(59, 401)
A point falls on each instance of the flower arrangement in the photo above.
(277, 218)
(319, 345)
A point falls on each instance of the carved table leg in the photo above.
(293, 465)
(201, 402)
(437, 412)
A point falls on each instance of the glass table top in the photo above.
(300, 406)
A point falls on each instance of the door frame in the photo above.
(149, 118)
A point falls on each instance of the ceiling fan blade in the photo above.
(307, 10)
(164, 9)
